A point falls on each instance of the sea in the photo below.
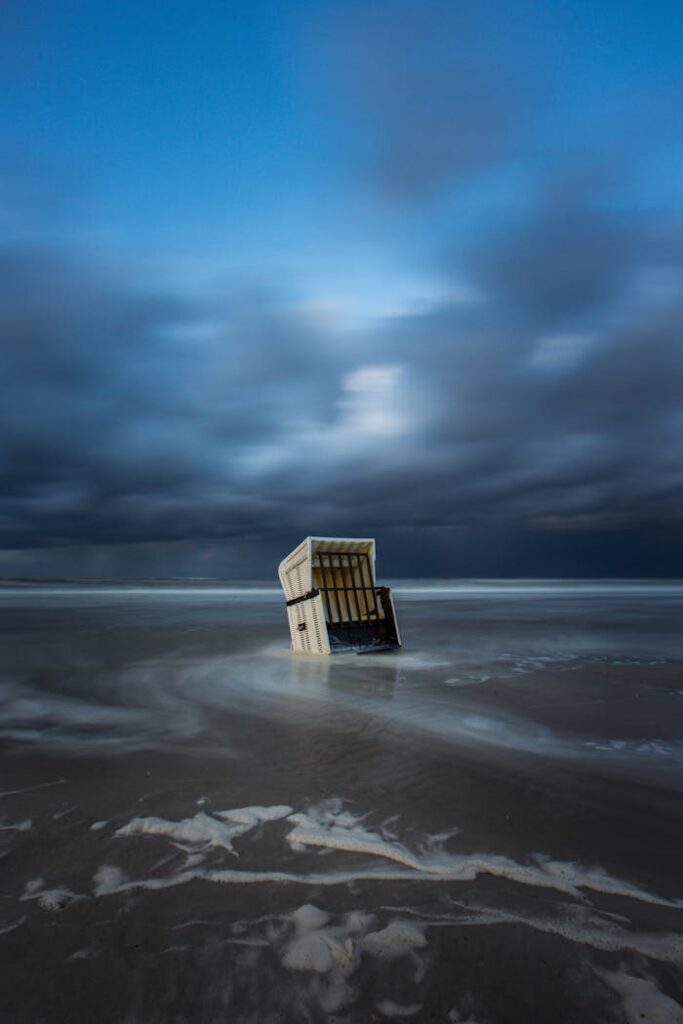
(483, 827)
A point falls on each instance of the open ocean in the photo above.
(484, 827)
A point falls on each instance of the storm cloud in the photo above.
(548, 405)
(439, 89)
(528, 422)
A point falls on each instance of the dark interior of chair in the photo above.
(359, 615)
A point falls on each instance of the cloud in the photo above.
(552, 408)
(538, 429)
(434, 99)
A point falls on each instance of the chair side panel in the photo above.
(307, 627)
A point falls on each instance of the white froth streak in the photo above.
(307, 832)
(593, 931)
(321, 828)
(468, 870)
(32, 789)
(204, 829)
(19, 826)
(563, 876)
(326, 826)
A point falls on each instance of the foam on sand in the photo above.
(463, 869)
(109, 879)
(49, 899)
(642, 1000)
(333, 950)
(57, 899)
(205, 829)
(309, 831)
(397, 939)
(249, 817)
(321, 827)
(326, 950)
(328, 826)
(315, 948)
(578, 924)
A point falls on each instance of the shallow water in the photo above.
(196, 825)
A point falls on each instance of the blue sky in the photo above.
(371, 177)
(231, 136)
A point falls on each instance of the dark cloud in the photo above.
(563, 260)
(439, 88)
(126, 415)
(441, 97)
(535, 429)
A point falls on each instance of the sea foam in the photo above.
(642, 1000)
(204, 829)
(327, 826)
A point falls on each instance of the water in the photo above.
(196, 825)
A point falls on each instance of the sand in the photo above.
(484, 827)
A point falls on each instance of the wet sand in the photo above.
(196, 825)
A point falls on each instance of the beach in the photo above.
(484, 826)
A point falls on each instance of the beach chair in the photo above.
(333, 604)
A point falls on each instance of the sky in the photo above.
(410, 270)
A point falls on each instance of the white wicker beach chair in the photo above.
(333, 604)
